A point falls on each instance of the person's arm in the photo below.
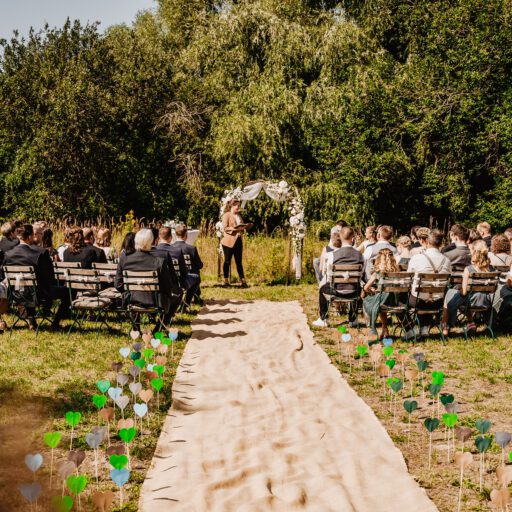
(465, 281)
(227, 226)
(321, 264)
(197, 260)
(368, 286)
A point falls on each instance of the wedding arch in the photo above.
(278, 191)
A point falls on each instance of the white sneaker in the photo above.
(320, 323)
(424, 332)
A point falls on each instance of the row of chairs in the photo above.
(91, 291)
(433, 285)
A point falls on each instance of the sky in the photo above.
(22, 14)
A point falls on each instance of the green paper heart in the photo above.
(103, 385)
(449, 419)
(148, 353)
(438, 378)
(361, 350)
(447, 399)
(159, 369)
(410, 406)
(431, 424)
(397, 385)
(62, 504)
(483, 426)
(403, 351)
(99, 401)
(140, 363)
(157, 384)
(166, 341)
(127, 434)
(390, 363)
(387, 351)
(483, 443)
(342, 329)
(52, 439)
(159, 335)
(422, 365)
(76, 484)
(118, 461)
(135, 356)
(510, 456)
(73, 418)
(434, 389)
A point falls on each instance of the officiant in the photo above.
(233, 228)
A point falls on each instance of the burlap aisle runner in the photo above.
(262, 421)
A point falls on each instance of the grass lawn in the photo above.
(44, 377)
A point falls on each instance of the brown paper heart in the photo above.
(411, 374)
(115, 449)
(134, 335)
(162, 360)
(127, 423)
(151, 375)
(500, 498)
(504, 475)
(76, 456)
(402, 358)
(103, 500)
(162, 348)
(65, 468)
(106, 413)
(383, 370)
(375, 356)
(463, 459)
(116, 366)
(146, 337)
(463, 433)
(146, 395)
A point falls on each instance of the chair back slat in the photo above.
(141, 281)
(106, 271)
(395, 282)
(20, 276)
(82, 279)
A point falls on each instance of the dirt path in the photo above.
(261, 421)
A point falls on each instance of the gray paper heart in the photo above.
(122, 401)
(453, 407)
(66, 468)
(94, 439)
(122, 378)
(419, 356)
(135, 387)
(30, 491)
(100, 430)
(502, 439)
(137, 347)
(134, 371)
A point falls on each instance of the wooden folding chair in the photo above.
(60, 269)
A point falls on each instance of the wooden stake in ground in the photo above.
(482, 445)
(410, 406)
(462, 459)
(430, 424)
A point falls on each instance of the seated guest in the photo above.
(39, 228)
(460, 255)
(384, 235)
(500, 251)
(104, 242)
(165, 235)
(403, 254)
(78, 250)
(385, 262)
(431, 261)
(508, 234)
(370, 236)
(89, 241)
(456, 299)
(450, 246)
(422, 236)
(9, 238)
(344, 254)
(319, 263)
(195, 263)
(142, 259)
(414, 238)
(128, 245)
(474, 236)
(28, 254)
(484, 230)
(47, 243)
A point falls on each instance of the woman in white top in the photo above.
(500, 251)
(370, 238)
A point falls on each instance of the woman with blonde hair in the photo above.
(104, 241)
(457, 299)
(372, 301)
(403, 247)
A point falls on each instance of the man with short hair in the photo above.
(9, 239)
(430, 261)
(196, 264)
(28, 254)
(484, 229)
(89, 241)
(422, 237)
(174, 252)
(384, 235)
(344, 254)
(460, 255)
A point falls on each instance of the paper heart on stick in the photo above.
(124, 424)
(117, 366)
(73, 418)
(418, 356)
(134, 335)
(76, 484)
(103, 500)
(463, 433)
(361, 350)
(157, 384)
(387, 351)
(500, 498)
(463, 459)
(62, 503)
(30, 491)
(387, 342)
(447, 399)
(94, 439)
(33, 461)
(163, 348)
(502, 439)
(125, 352)
(120, 476)
(410, 406)
(135, 387)
(140, 410)
(483, 426)
(122, 378)
(127, 434)
(434, 389)
(65, 468)
(146, 395)
(453, 407)
(140, 363)
(136, 355)
(52, 439)
(431, 424)
(136, 347)
(122, 401)
(103, 385)
(146, 337)
(118, 461)
(76, 456)
(173, 335)
(107, 413)
(375, 356)
(390, 363)
(504, 475)
(155, 342)
(134, 371)
(150, 367)
(411, 373)
(114, 393)
(161, 360)
(99, 401)
(482, 443)
(383, 370)
(449, 419)
(115, 449)
(159, 335)
(151, 375)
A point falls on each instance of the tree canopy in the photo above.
(379, 111)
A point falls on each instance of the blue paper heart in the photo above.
(120, 476)
(173, 335)
(149, 367)
(140, 410)
(34, 462)
(155, 343)
(387, 342)
(346, 337)
(30, 491)
(115, 393)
